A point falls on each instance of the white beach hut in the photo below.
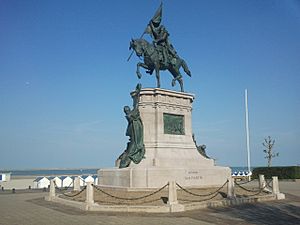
(57, 181)
(81, 181)
(86, 178)
(95, 177)
(5, 176)
(66, 181)
(41, 182)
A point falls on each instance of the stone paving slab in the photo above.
(31, 209)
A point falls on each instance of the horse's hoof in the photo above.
(173, 83)
(139, 75)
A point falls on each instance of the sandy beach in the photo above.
(19, 182)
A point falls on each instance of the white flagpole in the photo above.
(247, 130)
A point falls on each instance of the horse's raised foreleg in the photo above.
(180, 81)
(177, 77)
(138, 73)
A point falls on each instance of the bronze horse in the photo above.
(153, 61)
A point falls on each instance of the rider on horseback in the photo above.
(160, 55)
(161, 41)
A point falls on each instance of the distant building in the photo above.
(41, 182)
(57, 181)
(95, 177)
(5, 177)
(66, 181)
(86, 178)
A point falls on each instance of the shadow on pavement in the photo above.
(286, 212)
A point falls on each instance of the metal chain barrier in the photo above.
(63, 188)
(66, 188)
(76, 194)
(268, 183)
(81, 179)
(200, 200)
(55, 185)
(199, 195)
(129, 203)
(256, 192)
(246, 182)
(129, 199)
(68, 195)
(72, 183)
(245, 189)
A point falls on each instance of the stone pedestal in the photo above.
(171, 153)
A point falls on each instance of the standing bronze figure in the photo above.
(135, 149)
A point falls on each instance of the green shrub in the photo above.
(282, 172)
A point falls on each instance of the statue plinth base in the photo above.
(156, 177)
(171, 153)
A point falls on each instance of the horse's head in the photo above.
(138, 46)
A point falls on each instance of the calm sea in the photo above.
(51, 172)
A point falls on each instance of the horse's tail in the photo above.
(185, 68)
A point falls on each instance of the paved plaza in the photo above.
(31, 209)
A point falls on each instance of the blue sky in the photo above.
(64, 78)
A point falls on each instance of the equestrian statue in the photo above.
(160, 54)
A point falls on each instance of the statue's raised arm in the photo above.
(136, 97)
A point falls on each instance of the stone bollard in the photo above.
(275, 189)
(51, 195)
(89, 194)
(172, 198)
(275, 186)
(172, 193)
(52, 190)
(262, 181)
(230, 188)
(77, 184)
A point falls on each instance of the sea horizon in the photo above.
(77, 171)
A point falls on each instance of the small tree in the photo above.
(268, 144)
